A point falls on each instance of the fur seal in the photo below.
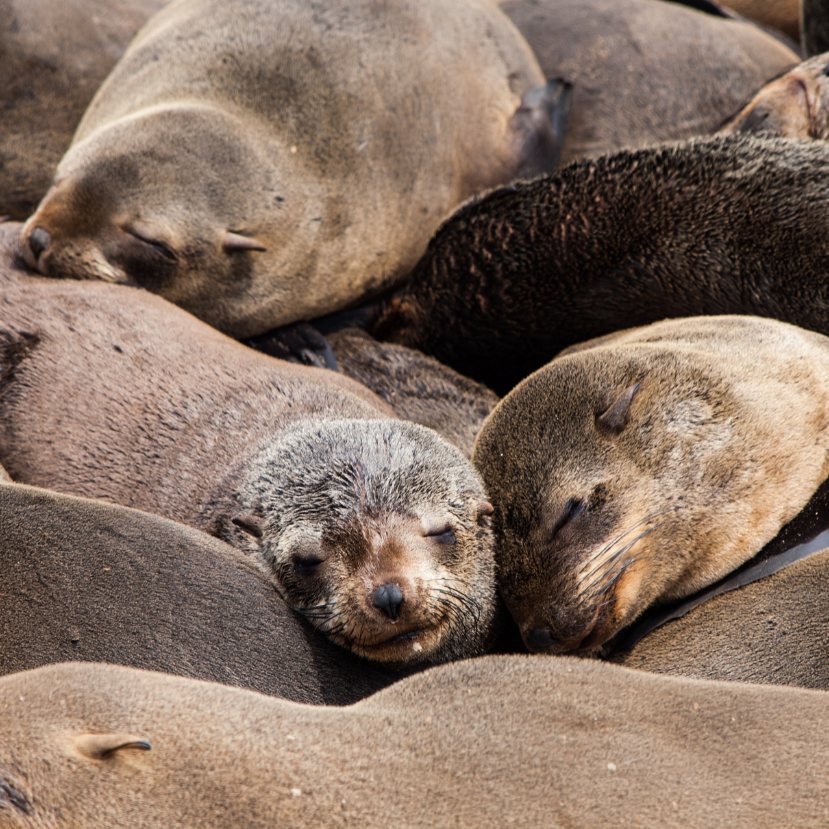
(794, 105)
(89, 581)
(373, 528)
(781, 15)
(53, 57)
(642, 467)
(728, 225)
(298, 158)
(645, 71)
(539, 742)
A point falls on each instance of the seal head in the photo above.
(643, 469)
(378, 533)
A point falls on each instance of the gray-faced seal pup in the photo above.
(645, 71)
(53, 57)
(89, 581)
(261, 162)
(645, 466)
(539, 742)
(725, 225)
(374, 528)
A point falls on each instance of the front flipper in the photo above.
(539, 126)
(296, 343)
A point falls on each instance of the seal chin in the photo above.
(408, 647)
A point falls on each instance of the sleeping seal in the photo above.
(373, 528)
(541, 743)
(725, 225)
(645, 466)
(259, 162)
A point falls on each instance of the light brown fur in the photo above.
(548, 743)
(645, 71)
(335, 137)
(723, 442)
(783, 15)
(113, 393)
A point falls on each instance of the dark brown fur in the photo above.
(480, 744)
(93, 582)
(416, 386)
(714, 226)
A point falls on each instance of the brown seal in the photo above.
(645, 71)
(782, 15)
(537, 742)
(374, 528)
(728, 225)
(297, 159)
(88, 581)
(416, 386)
(53, 57)
(648, 465)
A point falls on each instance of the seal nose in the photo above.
(388, 598)
(38, 241)
(540, 638)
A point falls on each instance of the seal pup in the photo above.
(566, 743)
(88, 581)
(724, 225)
(53, 57)
(296, 160)
(645, 466)
(793, 105)
(373, 528)
(645, 71)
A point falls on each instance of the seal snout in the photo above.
(38, 241)
(540, 639)
(388, 598)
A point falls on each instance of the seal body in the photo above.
(91, 745)
(782, 15)
(727, 225)
(53, 57)
(89, 581)
(374, 528)
(648, 465)
(794, 105)
(645, 71)
(259, 163)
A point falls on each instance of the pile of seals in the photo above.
(315, 371)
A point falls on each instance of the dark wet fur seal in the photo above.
(772, 631)
(93, 582)
(645, 71)
(54, 55)
(416, 386)
(733, 224)
(568, 743)
(645, 466)
(374, 528)
(299, 158)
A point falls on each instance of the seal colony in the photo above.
(258, 163)
(373, 528)
(730, 225)
(647, 465)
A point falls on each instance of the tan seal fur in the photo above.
(648, 466)
(771, 631)
(783, 15)
(373, 527)
(88, 581)
(479, 744)
(416, 386)
(54, 54)
(645, 71)
(260, 162)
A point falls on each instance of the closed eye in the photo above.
(442, 534)
(156, 246)
(306, 565)
(573, 508)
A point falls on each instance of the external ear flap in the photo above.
(485, 508)
(234, 242)
(614, 418)
(251, 524)
(101, 746)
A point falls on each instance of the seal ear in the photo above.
(485, 508)
(101, 746)
(614, 418)
(251, 524)
(234, 242)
